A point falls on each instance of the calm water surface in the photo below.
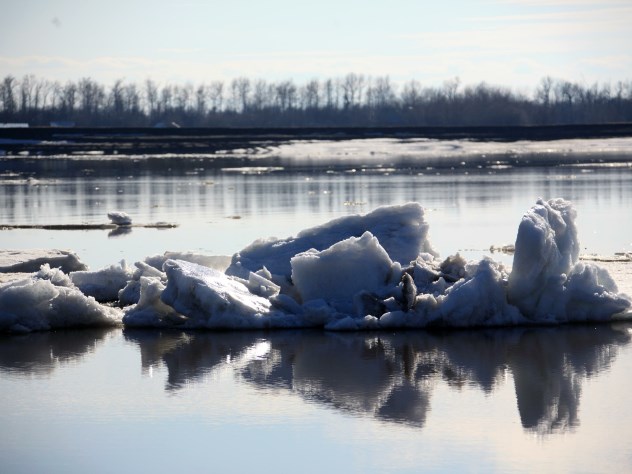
(521, 400)
(220, 212)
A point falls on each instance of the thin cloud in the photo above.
(180, 50)
(558, 3)
(606, 14)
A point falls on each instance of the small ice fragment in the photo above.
(120, 218)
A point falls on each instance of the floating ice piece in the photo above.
(29, 261)
(152, 268)
(340, 272)
(104, 285)
(401, 231)
(354, 284)
(200, 297)
(48, 300)
(210, 297)
(546, 283)
(120, 218)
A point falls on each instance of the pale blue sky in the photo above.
(508, 42)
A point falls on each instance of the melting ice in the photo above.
(373, 271)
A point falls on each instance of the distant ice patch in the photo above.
(120, 218)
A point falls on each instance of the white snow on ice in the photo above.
(377, 150)
(374, 271)
(49, 300)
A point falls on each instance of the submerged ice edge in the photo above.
(372, 271)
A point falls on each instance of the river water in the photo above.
(502, 400)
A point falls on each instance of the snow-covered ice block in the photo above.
(401, 230)
(212, 298)
(217, 262)
(120, 218)
(343, 270)
(150, 311)
(130, 294)
(547, 283)
(48, 300)
(29, 261)
(105, 284)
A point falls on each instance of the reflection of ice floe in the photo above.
(43, 352)
(392, 376)
(373, 271)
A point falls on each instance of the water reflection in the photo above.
(41, 353)
(392, 376)
(119, 232)
(213, 193)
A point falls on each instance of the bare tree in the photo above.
(151, 97)
(450, 88)
(543, 91)
(216, 95)
(69, 98)
(286, 95)
(331, 101)
(91, 96)
(312, 94)
(116, 97)
(7, 94)
(166, 98)
(352, 86)
(411, 95)
(27, 86)
(240, 89)
(200, 100)
(384, 92)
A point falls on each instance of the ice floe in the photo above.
(372, 271)
(28, 261)
(120, 218)
(49, 300)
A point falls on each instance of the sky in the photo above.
(513, 43)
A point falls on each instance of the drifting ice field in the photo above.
(372, 271)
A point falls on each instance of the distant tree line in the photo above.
(352, 100)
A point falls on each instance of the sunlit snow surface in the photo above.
(442, 153)
(373, 271)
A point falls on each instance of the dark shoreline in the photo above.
(46, 141)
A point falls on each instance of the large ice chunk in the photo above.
(211, 298)
(401, 231)
(343, 270)
(104, 285)
(130, 294)
(547, 283)
(29, 261)
(152, 267)
(150, 311)
(48, 300)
